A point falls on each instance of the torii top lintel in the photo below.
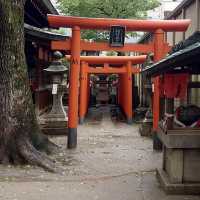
(111, 59)
(57, 21)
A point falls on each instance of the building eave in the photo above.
(38, 33)
(179, 8)
(50, 7)
(185, 60)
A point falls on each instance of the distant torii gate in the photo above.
(158, 27)
(125, 83)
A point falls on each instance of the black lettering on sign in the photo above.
(74, 61)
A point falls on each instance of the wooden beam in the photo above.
(107, 70)
(110, 59)
(103, 46)
(57, 21)
(111, 70)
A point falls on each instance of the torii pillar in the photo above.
(159, 53)
(83, 92)
(129, 92)
(74, 88)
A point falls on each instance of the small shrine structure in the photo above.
(179, 126)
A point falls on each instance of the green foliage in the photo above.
(107, 8)
(136, 9)
(59, 31)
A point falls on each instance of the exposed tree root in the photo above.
(21, 150)
(34, 157)
(42, 143)
(4, 159)
(52, 148)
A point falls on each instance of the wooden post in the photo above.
(125, 92)
(128, 97)
(159, 41)
(83, 92)
(74, 88)
(169, 111)
(158, 55)
(39, 79)
(88, 90)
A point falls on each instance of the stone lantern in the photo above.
(146, 126)
(57, 116)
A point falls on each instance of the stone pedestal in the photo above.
(55, 122)
(180, 173)
(57, 113)
(145, 128)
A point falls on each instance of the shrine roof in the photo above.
(38, 33)
(35, 12)
(184, 57)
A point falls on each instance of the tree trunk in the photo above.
(20, 137)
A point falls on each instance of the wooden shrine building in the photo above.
(179, 126)
(37, 49)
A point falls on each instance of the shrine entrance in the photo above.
(121, 65)
(158, 46)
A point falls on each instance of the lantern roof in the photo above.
(56, 65)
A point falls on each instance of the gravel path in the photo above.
(112, 162)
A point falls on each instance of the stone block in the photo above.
(176, 188)
(174, 164)
(191, 166)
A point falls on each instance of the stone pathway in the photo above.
(112, 162)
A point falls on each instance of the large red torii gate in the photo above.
(125, 71)
(158, 27)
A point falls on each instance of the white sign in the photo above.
(153, 88)
(55, 89)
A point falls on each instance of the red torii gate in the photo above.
(125, 71)
(158, 27)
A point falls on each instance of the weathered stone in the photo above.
(191, 165)
(181, 162)
(174, 164)
(145, 129)
(176, 188)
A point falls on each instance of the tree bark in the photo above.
(20, 137)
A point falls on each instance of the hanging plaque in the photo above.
(117, 36)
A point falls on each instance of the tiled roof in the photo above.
(184, 57)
